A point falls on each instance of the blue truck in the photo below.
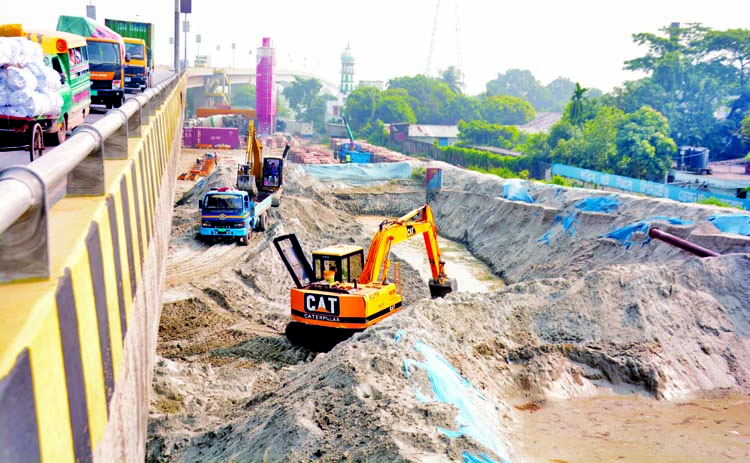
(229, 213)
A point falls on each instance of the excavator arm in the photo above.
(249, 172)
(418, 221)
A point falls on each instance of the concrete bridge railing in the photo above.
(81, 281)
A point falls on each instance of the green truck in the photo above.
(139, 39)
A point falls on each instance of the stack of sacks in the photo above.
(28, 88)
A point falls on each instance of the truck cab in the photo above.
(137, 70)
(107, 79)
(231, 214)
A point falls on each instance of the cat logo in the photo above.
(409, 230)
(322, 303)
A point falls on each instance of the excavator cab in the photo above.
(341, 263)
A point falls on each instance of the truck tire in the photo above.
(262, 222)
(244, 240)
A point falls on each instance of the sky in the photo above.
(586, 41)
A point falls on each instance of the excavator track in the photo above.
(316, 338)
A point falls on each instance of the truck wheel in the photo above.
(244, 240)
(262, 222)
(36, 148)
(119, 101)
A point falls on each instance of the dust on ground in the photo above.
(580, 318)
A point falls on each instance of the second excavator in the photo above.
(261, 175)
(342, 292)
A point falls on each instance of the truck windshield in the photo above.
(223, 202)
(135, 50)
(104, 53)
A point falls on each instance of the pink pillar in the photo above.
(265, 95)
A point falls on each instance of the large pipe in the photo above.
(685, 245)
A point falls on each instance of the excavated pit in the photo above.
(575, 323)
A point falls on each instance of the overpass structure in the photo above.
(196, 77)
(81, 281)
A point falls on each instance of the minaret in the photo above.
(347, 71)
(265, 96)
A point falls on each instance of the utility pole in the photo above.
(186, 29)
(177, 36)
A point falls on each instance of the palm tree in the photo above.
(576, 104)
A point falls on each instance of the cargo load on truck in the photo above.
(139, 39)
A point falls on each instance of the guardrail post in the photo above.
(136, 121)
(116, 146)
(88, 176)
(24, 246)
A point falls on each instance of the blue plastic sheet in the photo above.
(360, 173)
(476, 418)
(570, 220)
(738, 224)
(481, 458)
(625, 234)
(515, 190)
(599, 204)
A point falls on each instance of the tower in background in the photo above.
(347, 71)
(265, 95)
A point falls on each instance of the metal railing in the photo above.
(79, 163)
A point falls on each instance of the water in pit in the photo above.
(472, 276)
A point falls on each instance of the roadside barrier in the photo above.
(80, 278)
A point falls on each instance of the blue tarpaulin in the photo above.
(515, 190)
(359, 172)
(624, 235)
(738, 224)
(477, 418)
(570, 221)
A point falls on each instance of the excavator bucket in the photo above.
(246, 180)
(294, 259)
(441, 289)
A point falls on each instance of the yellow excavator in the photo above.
(260, 175)
(342, 292)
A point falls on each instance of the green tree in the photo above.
(576, 115)
(644, 148)
(360, 106)
(506, 110)
(482, 133)
(462, 108)
(301, 93)
(395, 105)
(592, 145)
(430, 96)
(243, 96)
(453, 78)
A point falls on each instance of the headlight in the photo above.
(206, 224)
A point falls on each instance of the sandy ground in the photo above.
(579, 319)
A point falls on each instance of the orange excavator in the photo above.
(342, 292)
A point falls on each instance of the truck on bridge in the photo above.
(139, 39)
(230, 213)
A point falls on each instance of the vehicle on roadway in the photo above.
(139, 39)
(229, 213)
(107, 57)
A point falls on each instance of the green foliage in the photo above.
(560, 180)
(644, 148)
(243, 96)
(453, 78)
(484, 161)
(485, 134)
(463, 108)
(360, 106)
(506, 110)
(301, 93)
(419, 174)
(430, 95)
(693, 72)
(376, 133)
(522, 84)
(717, 202)
(395, 105)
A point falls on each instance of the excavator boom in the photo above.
(418, 221)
